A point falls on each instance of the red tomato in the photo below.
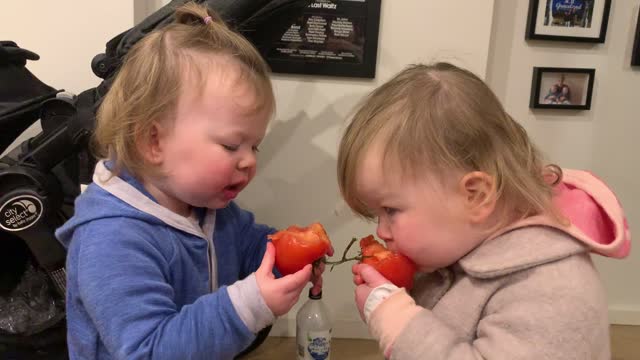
(397, 268)
(299, 246)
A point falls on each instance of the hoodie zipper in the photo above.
(206, 229)
(203, 234)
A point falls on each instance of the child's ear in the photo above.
(479, 191)
(150, 144)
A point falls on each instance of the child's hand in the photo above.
(316, 275)
(280, 294)
(366, 279)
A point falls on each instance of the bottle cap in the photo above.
(315, 297)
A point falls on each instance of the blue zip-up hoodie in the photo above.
(144, 282)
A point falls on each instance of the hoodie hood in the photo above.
(596, 223)
(594, 213)
(110, 196)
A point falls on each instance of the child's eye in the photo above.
(389, 211)
(230, 147)
(255, 149)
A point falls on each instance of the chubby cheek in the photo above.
(408, 232)
(441, 253)
(212, 174)
(199, 179)
(423, 245)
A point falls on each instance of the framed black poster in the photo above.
(331, 37)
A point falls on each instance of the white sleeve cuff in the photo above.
(376, 296)
(249, 304)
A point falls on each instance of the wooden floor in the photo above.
(625, 345)
(625, 342)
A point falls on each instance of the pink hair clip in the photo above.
(208, 19)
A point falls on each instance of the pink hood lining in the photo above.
(595, 215)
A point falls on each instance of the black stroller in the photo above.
(41, 177)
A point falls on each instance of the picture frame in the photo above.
(635, 52)
(568, 20)
(562, 88)
(331, 37)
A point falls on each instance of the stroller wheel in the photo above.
(34, 328)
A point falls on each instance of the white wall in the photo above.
(142, 8)
(67, 34)
(602, 139)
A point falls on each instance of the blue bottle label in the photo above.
(316, 345)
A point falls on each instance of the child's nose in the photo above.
(383, 230)
(247, 161)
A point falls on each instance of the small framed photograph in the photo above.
(568, 20)
(635, 52)
(561, 88)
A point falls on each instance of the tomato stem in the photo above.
(344, 256)
(343, 260)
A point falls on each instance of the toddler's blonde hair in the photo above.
(148, 84)
(437, 118)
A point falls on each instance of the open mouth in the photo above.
(231, 191)
(237, 186)
(234, 187)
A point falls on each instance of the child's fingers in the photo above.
(319, 269)
(371, 276)
(266, 267)
(361, 294)
(316, 275)
(317, 287)
(296, 281)
(316, 278)
(330, 251)
(354, 269)
(357, 280)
